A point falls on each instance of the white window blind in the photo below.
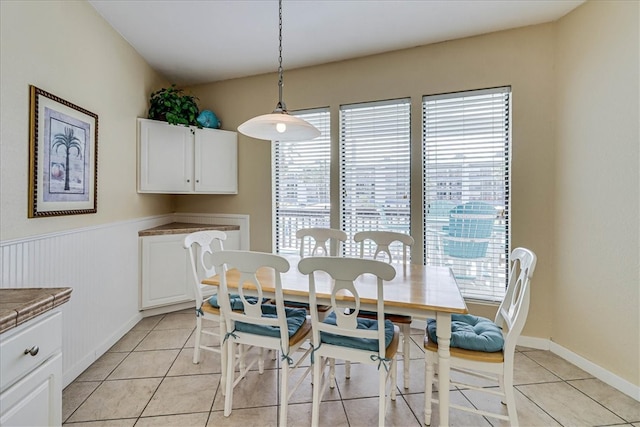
(301, 182)
(466, 176)
(375, 140)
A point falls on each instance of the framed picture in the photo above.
(63, 157)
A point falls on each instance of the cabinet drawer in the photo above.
(45, 332)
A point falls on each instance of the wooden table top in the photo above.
(414, 289)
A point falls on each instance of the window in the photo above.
(466, 175)
(375, 170)
(301, 182)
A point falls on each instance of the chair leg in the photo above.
(317, 386)
(428, 389)
(394, 378)
(261, 361)
(507, 388)
(223, 359)
(332, 373)
(196, 346)
(382, 398)
(228, 398)
(347, 369)
(406, 351)
(284, 391)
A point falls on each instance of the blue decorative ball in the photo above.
(208, 119)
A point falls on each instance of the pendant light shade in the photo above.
(279, 125)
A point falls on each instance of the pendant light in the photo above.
(279, 125)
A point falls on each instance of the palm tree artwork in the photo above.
(69, 142)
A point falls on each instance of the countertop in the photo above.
(184, 228)
(17, 305)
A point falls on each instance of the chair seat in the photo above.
(208, 308)
(391, 333)
(296, 318)
(235, 301)
(478, 356)
(471, 333)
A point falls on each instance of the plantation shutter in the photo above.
(466, 177)
(375, 146)
(301, 182)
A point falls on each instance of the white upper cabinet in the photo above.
(186, 160)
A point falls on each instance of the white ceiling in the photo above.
(198, 41)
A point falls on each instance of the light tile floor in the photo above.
(148, 379)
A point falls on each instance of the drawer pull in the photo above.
(32, 351)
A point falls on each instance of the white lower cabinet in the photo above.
(31, 383)
(166, 276)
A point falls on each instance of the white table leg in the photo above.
(443, 332)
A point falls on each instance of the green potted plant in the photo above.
(172, 105)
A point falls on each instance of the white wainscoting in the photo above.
(101, 265)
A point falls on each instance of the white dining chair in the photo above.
(344, 335)
(319, 238)
(483, 348)
(382, 241)
(201, 244)
(268, 326)
(315, 240)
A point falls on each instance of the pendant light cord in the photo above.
(281, 107)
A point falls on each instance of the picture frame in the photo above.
(63, 157)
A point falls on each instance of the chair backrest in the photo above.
(344, 271)
(247, 264)
(383, 239)
(320, 237)
(470, 229)
(513, 311)
(202, 244)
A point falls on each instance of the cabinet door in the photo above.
(36, 400)
(216, 161)
(165, 271)
(166, 158)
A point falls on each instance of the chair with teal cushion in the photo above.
(476, 348)
(381, 240)
(343, 335)
(471, 333)
(200, 245)
(268, 326)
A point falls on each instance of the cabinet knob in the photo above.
(188, 180)
(32, 351)
(197, 180)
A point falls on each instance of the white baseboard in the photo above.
(602, 374)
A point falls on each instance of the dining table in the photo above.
(419, 291)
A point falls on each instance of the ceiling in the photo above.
(199, 41)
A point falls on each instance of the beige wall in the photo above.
(596, 245)
(66, 48)
(521, 58)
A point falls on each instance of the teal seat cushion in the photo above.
(359, 343)
(235, 300)
(471, 333)
(295, 319)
